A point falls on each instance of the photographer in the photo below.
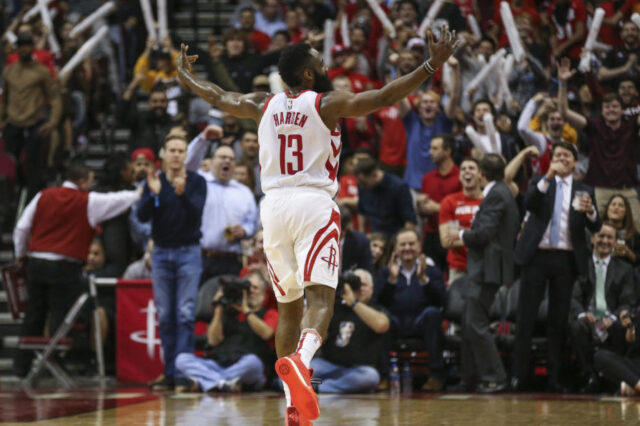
(239, 337)
(355, 338)
(623, 369)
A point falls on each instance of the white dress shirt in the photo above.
(564, 242)
(101, 206)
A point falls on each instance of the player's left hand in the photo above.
(440, 51)
(184, 61)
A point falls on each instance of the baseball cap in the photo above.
(145, 152)
(339, 48)
(416, 42)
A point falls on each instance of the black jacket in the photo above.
(539, 207)
(619, 289)
(492, 237)
(356, 252)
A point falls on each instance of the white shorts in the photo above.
(301, 240)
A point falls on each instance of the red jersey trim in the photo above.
(315, 247)
(274, 278)
(266, 103)
(318, 98)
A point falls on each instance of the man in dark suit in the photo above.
(490, 243)
(599, 299)
(356, 251)
(552, 248)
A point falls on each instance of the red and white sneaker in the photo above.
(293, 418)
(298, 377)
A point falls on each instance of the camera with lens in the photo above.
(232, 288)
(347, 278)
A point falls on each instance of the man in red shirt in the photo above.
(436, 184)
(342, 64)
(458, 210)
(569, 18)
(259, 40)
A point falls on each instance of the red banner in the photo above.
(138, 353)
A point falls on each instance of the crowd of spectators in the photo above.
(410, 177)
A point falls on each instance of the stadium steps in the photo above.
(9, 329)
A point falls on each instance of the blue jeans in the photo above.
(176, 274)
(210, 374)
(338, 379)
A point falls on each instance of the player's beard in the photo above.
(323, 83)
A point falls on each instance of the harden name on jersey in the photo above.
(294, 118)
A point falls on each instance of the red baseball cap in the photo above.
(339, 48)
(143, 151)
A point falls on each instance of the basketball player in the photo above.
(299, 151)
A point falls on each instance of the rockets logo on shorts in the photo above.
(331, 259)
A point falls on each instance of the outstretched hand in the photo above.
(184, 61)
(440, 51)
(564, 70)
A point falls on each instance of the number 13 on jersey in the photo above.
(292, 145)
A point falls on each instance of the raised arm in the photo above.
(237, 104)
(529, 136)
(605, 73)
(456, 89)
(564, 74)
(342, 104)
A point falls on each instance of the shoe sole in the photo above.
(302, 396)
(292, 421)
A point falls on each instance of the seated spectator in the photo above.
(269, 18)
(141, 269)
(149, 128)
(249, 149)
(414, 292)
(354, 245)
(165, 64)
(343, 63)
(384, 199)
(457, 210)
(239, 338)
(259, 40)
(380, 252)
(355, 339)
(96, 262)
(436, 184)
(623, 369)
(598, 300)
(627, 244)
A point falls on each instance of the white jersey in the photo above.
(297, 149)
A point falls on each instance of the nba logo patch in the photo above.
(289, 104)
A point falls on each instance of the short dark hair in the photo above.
(485, 101)
(245, 131)
(565, 145)
(627, 79)
(77, 170)
(233, 33)
(247, 9)
(492, 166)
(158, 88)
(365, 166)
(448, 142)
(410, 2)
(610, 97)
(474, 160)
(404, 230)
(488, 40)
(282, 33)
(293, 59)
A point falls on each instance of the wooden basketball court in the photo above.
(136, 406)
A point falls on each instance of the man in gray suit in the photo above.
(490, 242)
